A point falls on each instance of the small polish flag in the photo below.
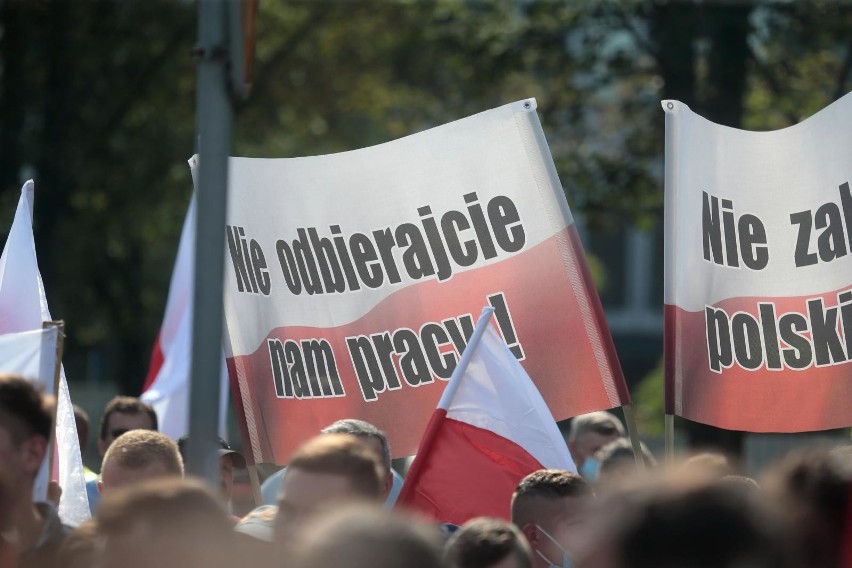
(491, 428)
(166, 386)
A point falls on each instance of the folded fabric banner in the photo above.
(353, 280)
(23, 307)
(758, 283)
(32, 354)
(491, 428)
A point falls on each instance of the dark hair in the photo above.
(126, 405)
(23, 411)
(547, 484)
(362, 429)
(485, 541)
(623, 449)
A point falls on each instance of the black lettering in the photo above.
(846, 202)
(800, 355)
(366, 366)
(280, 376)
(827, 346)
(385, 242)
(831, 243)
(718, 339)
(711, 227)
(480, 227)
(293, 354)
(507, 325)
(365, 259)
(770, 336)
(322, 369)
(747, 345)
(460, 330)
(451, 223)
(383, 345)
(412, 363)
(343, 254)
(506, 224)
(416, 257)
(442, 263)
(844, 299)
(433, 337)
(332, 276)
(260, 272)
(803, 241)
(752, 234)
(247, 256)
(288, 267)
(237, 259)
(306, 263)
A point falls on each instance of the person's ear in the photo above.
(531, 533)
(100, 486)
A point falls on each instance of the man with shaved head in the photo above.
(136, 456)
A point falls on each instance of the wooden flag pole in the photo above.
(669, 440)
(633, 434)
(57, 369)
(254, 478)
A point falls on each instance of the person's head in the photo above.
(550, 507)
(122, 414)
(168, 523)
(227, 458)
(25, 425)
(588, 434)
(137, 456)
(709, 466)
(694, 525)
(488, 543)
(367, 537)
(618, 464)
(331, 468)
(376, 439)
(814, 492)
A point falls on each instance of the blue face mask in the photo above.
(566, 559)
(590, 469)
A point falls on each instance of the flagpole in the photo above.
(670, 238)
(450, 390)
(633, 434)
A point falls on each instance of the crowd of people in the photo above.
(334, 506)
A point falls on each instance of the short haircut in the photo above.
(139, 449)
(23, 409)
(368, 537)
(361, 429)
(547, 485)
(126, 405)
(600, 422)
(342, 454)
(485, 541)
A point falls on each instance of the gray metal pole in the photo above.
(214, 118)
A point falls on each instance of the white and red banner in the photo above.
(353, 280)
(23, 307)
(491, 429)
(32, 355)
(758, 284)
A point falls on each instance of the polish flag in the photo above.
(166, 386)
(490, 430)
(23, 307)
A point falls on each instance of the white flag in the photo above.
(23, 307)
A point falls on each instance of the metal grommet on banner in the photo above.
(527, 105)
(670, 105)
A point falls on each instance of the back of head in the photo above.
(545, 486)
(368, 537)
(485, 542)
(600, 422)
(362, 429)
(343, 455)
(165, 523)
(140, 453)
(708, 525)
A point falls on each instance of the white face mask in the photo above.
(566, 558)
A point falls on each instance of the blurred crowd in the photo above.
(333, 505)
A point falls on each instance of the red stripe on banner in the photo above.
(549, 325)
(763, 399)
(156, 364)
(469, 472)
